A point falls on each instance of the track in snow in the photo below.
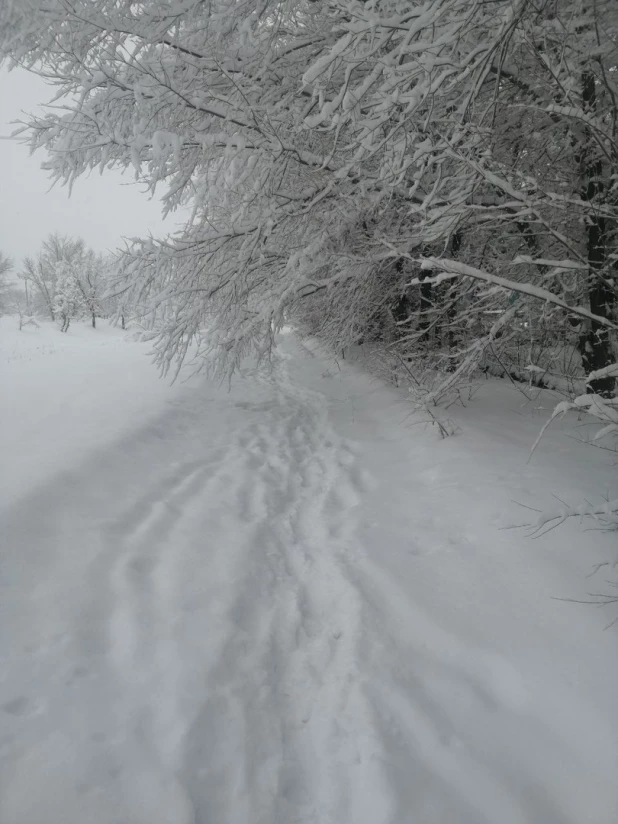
(203, 647)
(219, 620)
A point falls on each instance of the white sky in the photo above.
(101, 209)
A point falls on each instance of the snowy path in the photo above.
(256, 609)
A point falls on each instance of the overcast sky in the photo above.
(101, 209)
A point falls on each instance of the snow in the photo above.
(291, 601)
(68, 376)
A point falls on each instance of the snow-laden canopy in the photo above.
(327, 149)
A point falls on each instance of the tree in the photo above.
(40, 280)
(68, 302)
(91, 282)
(507, 142)
(446, 167)
(6, 267)
(40, 273)
(68, 280)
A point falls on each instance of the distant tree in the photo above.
(114, 299)
(6, 267)
(67, 279)
(40, 272)
(39, 279)
(91, 282)
(68, 302)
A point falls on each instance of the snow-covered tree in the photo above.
(68, 302)
(91, 279)
(40, 272)
(438, 173)
(491, 126)
(66, 280)
(6, 267)
(40, 284)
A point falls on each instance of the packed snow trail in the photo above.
(272, 606)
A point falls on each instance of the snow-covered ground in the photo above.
(291, 603)
(67, 395)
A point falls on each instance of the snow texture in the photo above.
(287, 603)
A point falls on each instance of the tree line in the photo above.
(434, 178)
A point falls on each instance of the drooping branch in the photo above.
(454, 268)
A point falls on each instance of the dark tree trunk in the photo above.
(401, 310)
(94, 320)
(595, 342)
(426, 305)
(452, 309)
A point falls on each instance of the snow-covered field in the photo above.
(291, 603)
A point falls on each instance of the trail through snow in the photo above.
(276, 605)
